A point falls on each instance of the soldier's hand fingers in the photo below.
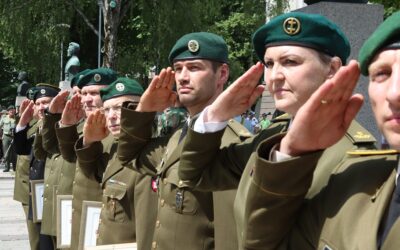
(167, 78)
(153, 84)
(162, 76)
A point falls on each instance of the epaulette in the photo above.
(359, 135)
(361, 152)
(281, 118)
(239, 129)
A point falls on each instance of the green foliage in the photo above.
(391, 6)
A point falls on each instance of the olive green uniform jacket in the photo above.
(50, 137)
(346, 214)
(207, 168)
(87, 182)
(185, 217)
(21, 187)
(51, 173)
(21, 184)
(129, 207)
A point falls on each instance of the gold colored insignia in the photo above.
(193, 46)
(373, 152)
(42, 91)
(361, 135)
(97, 77)
(291, 26)
(120, 87)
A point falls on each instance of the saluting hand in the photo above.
(23, 106)
(95, 128)
(327, 115)
(73, 111)
(238, 97)
(27, 114)
(158, 95)
(57, 105)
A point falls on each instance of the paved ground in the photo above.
(13, 232)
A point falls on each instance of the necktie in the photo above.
(394, 212)
(184, 132)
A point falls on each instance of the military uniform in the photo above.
(347, 214)
(21, 184)
(129, 204)
(7, 124)
(87, 182)
(185, 217)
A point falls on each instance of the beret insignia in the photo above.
(193, 46)
(291, 26)
(120, 87)
(97, 77)
(42, 91)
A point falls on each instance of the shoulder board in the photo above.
(281, 118)
(373, 152)
(358, 134)
(239, 129)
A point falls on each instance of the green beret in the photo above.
(100, 76)
(122, 86)
(30, 94)
(386, 34)
(10, 107)
(302, 29)
(200, 45)
(45, 90)
(79, 75)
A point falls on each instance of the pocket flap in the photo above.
(115, 190)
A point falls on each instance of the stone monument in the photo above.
(23, 87)
(73, 64)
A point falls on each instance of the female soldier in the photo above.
(300, 52)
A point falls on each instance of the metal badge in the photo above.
(97, 77)
(42, 91)
(179, 201)
(120, 87)
(291, 26)
(193, 46)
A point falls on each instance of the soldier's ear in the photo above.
(223, 74)
(335, 65)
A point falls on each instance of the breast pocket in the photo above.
(177, 195)
(115, 195)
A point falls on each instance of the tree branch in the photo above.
(87, 21)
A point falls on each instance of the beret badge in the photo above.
(120, 87)
(97, 77)
(42, 91)
(291, 26)
(193, 46)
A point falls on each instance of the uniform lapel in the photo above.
(113, 165)
(381, 198)
(175, 148)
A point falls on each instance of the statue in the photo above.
(73, 64)
(24, 85)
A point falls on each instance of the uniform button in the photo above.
(162, 201)
(45, 199)
(165, 181)
(47, 185)
(56, 158)
(154, 245)
(51, 171)
(157, 224)
(73, 183)
(180, 183)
